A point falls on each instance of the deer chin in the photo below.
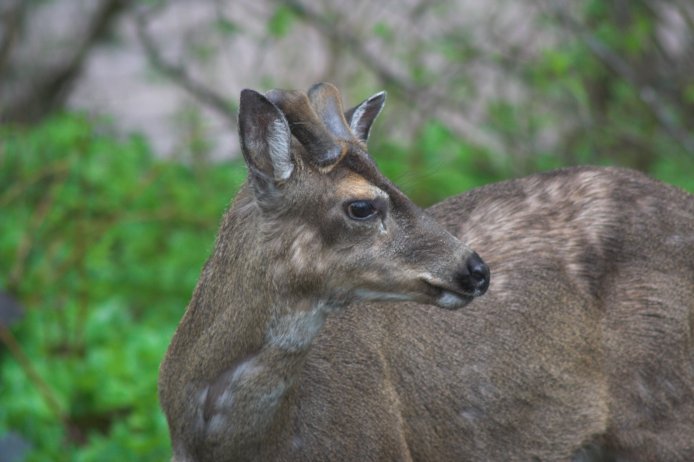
(377, 295)
(445, 297)
(452, 300)
(433, 295)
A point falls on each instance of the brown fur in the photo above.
(582, 348)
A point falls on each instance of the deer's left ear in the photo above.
(361, 117)
(265, 141)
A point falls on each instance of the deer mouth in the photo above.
(444, 296)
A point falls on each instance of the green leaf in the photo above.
(384, 31)
(281, 21)
(689, 93)
(226, 27)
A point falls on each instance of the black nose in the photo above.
(474, 275)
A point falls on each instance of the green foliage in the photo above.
(384, 31)
(103, 244)
(610, 71)
(281, 21)
(438, 165)
(226, 27)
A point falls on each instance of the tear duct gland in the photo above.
(315, 331)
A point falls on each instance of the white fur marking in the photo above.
(304, 252)
(242, 373)
(217, 424)
(365, 294)
(294, 332)
(245, 370)
(356, 117)
(470, 414)
(450, 300)
(226, 399)
(278, 141)
(202, 397)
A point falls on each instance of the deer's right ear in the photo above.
(361, 117)
(265, 141)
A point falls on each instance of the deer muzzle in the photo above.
(470, 280)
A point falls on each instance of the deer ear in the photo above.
(361, 117)
(265, 140)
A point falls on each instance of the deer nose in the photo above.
(474, 275)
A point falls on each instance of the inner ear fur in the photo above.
(361, 117)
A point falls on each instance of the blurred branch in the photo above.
(17, 190)
(10, 310)
(34, 377)
(45, 91)
(10, 20)
(401, 85)
(684, 8)
(29, 238)
(648, 95)
(683, 11)
(329, 29)
(178, 74)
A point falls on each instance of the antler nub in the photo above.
(327, 102)
(307, 126)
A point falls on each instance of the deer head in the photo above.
(337, 229)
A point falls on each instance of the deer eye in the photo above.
(361, 210)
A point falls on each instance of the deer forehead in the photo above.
(357, 187)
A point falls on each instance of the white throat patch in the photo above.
(295, 332)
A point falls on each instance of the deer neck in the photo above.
(265, 310)
(248, 338)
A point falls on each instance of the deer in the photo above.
(336, 320)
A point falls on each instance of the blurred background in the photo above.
(118, 156)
